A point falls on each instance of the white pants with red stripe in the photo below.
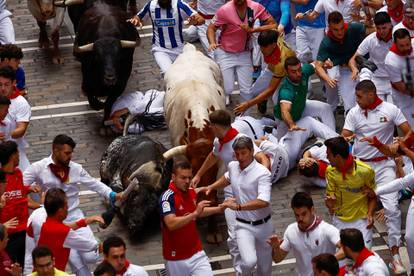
(360, 224)
(197, 265)
(232, 64)
(254, 249)
(345, 86)
(384, 174)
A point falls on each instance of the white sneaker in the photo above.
(227, 100)
(397, 267)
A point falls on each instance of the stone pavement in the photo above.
(59, 107)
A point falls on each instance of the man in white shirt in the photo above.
(373, 117)
(225, 134)
(408, 19)
(366, 263)
(251, 188)
(377, 45)
(19, 112)
(327, 6)
(395, 9)
(308, 237)
(58, 171)
(114, 250)
(396, 65)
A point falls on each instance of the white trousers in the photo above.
(360, 224)
(194, 33)
(80, 261)
(197, 265)
(308, 40)
(262, 83)
(313, 108)
(384, 174)
(294, 140)
(165, 57)
(232, 64)
(345, 86)
(6, 30)
(405, 103)
(409, 232)
(231, 221)
(254, 249)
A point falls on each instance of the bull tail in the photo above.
(188, 47)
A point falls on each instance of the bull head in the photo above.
(89, 47)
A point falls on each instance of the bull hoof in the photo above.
(106, 132)
(214, 238)
(44, 43)
(57, 60)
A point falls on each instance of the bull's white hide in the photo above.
(193, 83)
(57, 20)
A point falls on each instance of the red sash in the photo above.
(322, 166)
(230, 134)
(15, 94)
(395, 50)
(372, 106)
(387, 38)
(60, 172)
(348, 164)
(274, 57)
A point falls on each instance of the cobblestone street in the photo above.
(58, 106)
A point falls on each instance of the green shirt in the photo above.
(57, 273)
(296, 93)
(340, 53)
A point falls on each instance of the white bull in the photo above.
(194, 88)
(44, 10)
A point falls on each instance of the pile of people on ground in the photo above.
(360, 50)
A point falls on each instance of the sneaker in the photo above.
(397, 267)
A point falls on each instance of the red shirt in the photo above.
(53, 235)
(4, 262)
(16, 201)
(182, 243)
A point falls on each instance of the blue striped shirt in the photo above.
(167, 24)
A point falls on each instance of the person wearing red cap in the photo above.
(346, 179)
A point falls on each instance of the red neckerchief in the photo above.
(15, 94)
(274, 57)
(61, 172)
(322, 166)
(314, 224)
(372, 106)
(331, 35)
(363, 255)
(397, 13)
(387, 38)
(395, 50)
(120, 273)
(406, 25)
(230, 134)
(349, 162)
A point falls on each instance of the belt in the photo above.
(206, 16)
(256, 222)
(375, 159)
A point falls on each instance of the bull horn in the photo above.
(149, 166)
(128, 44)
(128, 121)
(84, 48)
(174, 152)
(63, 3)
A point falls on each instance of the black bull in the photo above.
(105, 44)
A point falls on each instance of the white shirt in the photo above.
(19, 111)
(251, 183)
(279, 159)
(377, 50)
(209, 7)
(6, 128)
(373, 266)
(135, 270)
(305, 246)
(396, 185)
(328, 6)
(401, 26)
(380, 122)
(40, 173)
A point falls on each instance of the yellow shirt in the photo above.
(57, 273)
(285, 52)
(351, 203)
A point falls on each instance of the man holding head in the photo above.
(179, 209)
(251, 188)
(308, 237)
(58, 171)
(374, 118)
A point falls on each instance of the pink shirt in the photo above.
(233, 38)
